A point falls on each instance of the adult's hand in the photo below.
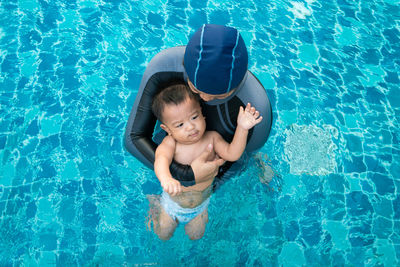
(205, 169)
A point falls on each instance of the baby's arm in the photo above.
(247, 119)
(163, 158)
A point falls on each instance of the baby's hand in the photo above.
(248, 117)
(172, 186)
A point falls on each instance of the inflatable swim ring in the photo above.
(166, 68)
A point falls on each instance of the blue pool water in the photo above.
(71, 195)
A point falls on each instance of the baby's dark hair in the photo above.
(174, 94)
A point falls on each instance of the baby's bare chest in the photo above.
(185, 154)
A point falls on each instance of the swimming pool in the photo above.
(71, 195)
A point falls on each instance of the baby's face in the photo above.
(184, 122)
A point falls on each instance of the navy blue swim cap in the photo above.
(216, 59)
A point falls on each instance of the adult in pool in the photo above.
(214, 64)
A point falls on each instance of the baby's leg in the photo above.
(163, 225)
(166, 226)
(195, 228)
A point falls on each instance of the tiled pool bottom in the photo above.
(69, 199)
(297, 220)
(274, 239)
